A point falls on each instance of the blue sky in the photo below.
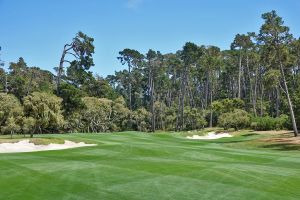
(37, 29)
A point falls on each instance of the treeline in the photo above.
(256, 83)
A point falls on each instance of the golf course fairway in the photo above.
(133, 166)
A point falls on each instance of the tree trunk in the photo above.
(129, 87)
(240, 74)
(277, 101)
(206, 89)
(292, 115)
(211, 111)
(180, 116)
(6, 83)
(261, 99)
(30, 83)
(60, 69)
(152, 105)
(255, 94)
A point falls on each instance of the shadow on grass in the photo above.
(249, 134)
(282, 146)
(229, 141)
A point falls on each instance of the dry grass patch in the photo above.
(36, 141)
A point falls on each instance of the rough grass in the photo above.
(39, 139)
(136, 166)
(36, 141)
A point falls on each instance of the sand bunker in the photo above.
(26, 146)
(209, 136)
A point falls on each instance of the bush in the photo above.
(11, 112)
(227, 105)
(141, 119)
(236, 119)
(269, 123)
(46, 110)
(194, 119)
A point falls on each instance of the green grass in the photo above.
(152, 166)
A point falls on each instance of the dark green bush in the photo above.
(236, 119)
(269, 123)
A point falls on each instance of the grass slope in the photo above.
(145, 166)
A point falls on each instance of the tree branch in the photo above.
(67, 61)
(76, 56)
(281, 87)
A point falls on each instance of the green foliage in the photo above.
(170, 118)
(194, 119)
(46, 109)
(28, 125)
(101, 115)
(141, 119)
(11, 126)
(120, 114)
(172, 91)
(227, 105)
(11, 112)
(269, 123)
(71, 98)
(130, 57)
(23, 80)
(97, 114)
(224, 106)
(236, 119)
(99, 87)
(80, 51)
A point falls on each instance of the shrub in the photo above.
(194, 119)
(141, 119)
(269, 123)
(46, 110)
(236, 119)
(97, 114)
(227, 105)
(11, 112)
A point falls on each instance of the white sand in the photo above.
(209, 136)
(26, 146)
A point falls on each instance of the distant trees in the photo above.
(255, 83)
(22, 80)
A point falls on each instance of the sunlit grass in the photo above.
(134, 165)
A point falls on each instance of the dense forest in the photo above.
(255, 83)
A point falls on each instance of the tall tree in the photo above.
(189, 56)
(80, 51)
(242, 43)
(3, 76)
(153, 62)
(275, 37)
(211, 61)
(132, 58)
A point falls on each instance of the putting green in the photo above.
(151, 166)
